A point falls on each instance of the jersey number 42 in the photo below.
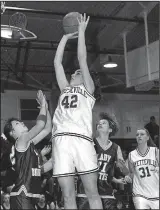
(70, 101)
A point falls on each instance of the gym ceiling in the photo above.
(29, 65)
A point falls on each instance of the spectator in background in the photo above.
(8, 175)
(153, 129)
(42, 204)
(5, 201)
(125, 156)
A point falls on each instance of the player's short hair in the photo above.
(152, 118)
(8, 128)
(112, 123)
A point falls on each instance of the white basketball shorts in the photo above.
(143, 203)
(73, 155)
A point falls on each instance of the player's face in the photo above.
(42, 198)
(6, 198)
(76, 78)
(18, 128)
(142, 136)
(124, 153)
(103, 126)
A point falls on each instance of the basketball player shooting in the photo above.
(72, 126)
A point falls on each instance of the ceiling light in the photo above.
(110, 63)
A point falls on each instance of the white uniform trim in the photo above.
(22, 150)
(23, 189)
(102, 196)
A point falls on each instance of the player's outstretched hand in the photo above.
(83, 22)
(41, 99)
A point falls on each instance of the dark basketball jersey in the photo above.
(27, 167)
(106, 160)
(38, 207)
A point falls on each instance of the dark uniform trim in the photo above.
(73, 134)
(143, 155)
(73, 174)
(139, 195)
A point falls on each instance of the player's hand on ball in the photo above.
(128, 179)
(71, 35)
(83, 22)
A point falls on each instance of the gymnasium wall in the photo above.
(131, 111)
(10, 103)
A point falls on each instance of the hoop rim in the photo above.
(22, 38)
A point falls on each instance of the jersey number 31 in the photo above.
(70, 102)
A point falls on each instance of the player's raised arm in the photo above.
(23, 141)
(47, 129)
(60, 74)
(82, 54)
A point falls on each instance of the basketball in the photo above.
(70, 22)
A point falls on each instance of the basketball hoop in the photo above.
(16, 30)
(15, 33)
(2, 7)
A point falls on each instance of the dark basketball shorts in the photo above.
(108, 203)
(21, 201)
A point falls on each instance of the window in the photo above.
(29, 111)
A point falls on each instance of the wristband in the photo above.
(42, 117)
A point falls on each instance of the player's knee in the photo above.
(93, 196)
(69, 198)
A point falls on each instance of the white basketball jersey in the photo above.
(73, 114)
(145, 180)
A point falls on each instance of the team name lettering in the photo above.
(36, 172)
(76, 90)
(103, 161)
(104, 157)
(103, 176)
(145, 162)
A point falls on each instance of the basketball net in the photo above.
(16, 29)
(17, 20)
